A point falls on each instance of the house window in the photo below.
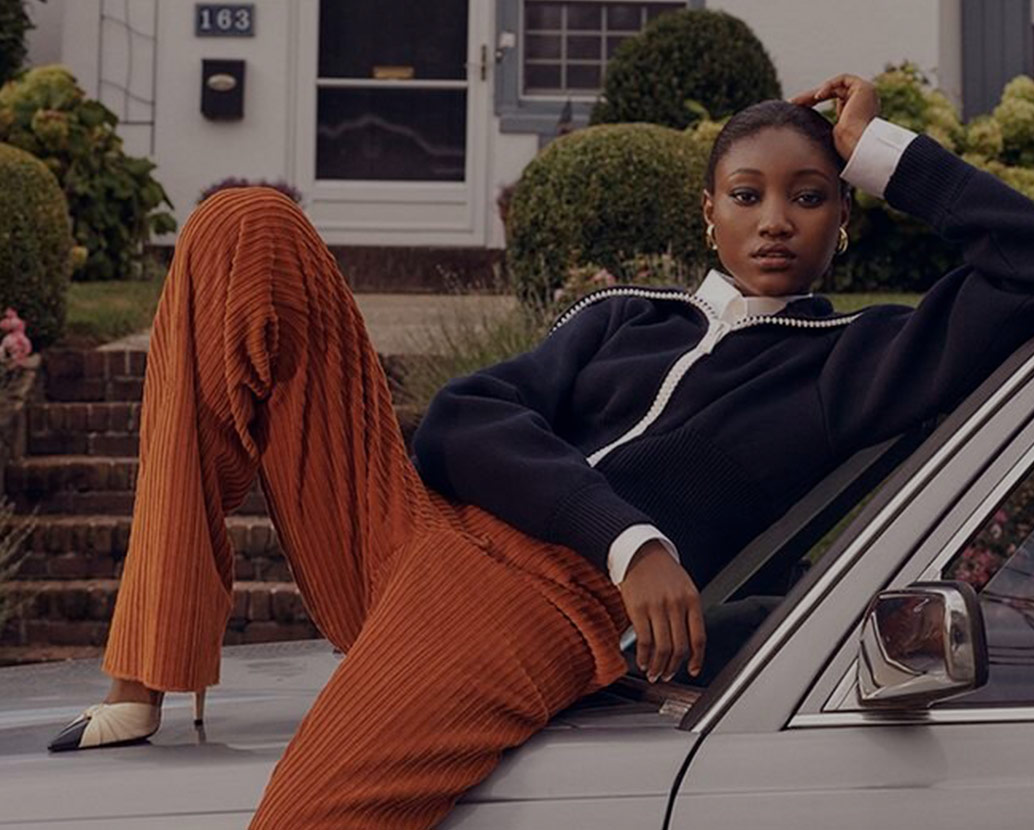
(566, 45)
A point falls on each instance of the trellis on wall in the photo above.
(127, 63)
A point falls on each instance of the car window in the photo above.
(998, 561)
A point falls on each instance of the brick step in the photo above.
(111, 502)
(93, 364)
(94, 547)
(118, 375)
(78, 613)
(83, 484)
(112, 428)
(97, 428)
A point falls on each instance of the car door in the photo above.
(784, 742)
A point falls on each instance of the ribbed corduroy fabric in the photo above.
(463, 635)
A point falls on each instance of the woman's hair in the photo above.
(775, 113)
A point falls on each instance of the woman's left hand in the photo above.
(858, 103)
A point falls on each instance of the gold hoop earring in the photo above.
(842, 240)
(712, 244)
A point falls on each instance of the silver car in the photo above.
(892, 686)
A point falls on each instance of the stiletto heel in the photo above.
(199, 707)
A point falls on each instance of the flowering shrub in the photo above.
(289, 190)
(643, 269)
(112, 197)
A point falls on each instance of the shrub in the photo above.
(112, 197)
(289, 190)
(14, 25)
(35, 244)
(684, 66)
(603, 196)
(893, 251)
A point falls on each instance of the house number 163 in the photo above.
(222, 19)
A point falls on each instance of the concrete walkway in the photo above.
(399, 323)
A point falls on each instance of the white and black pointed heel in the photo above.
(109, 724)
(116, 724)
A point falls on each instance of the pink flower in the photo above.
(15, 347)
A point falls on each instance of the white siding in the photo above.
(811, 41)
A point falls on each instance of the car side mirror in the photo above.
(920, 645)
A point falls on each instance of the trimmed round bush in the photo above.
(686, 65)
(603, 196)
(35, 245)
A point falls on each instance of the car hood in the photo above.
(605, 747)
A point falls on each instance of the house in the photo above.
(401, 120)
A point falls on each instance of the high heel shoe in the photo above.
(117, 724)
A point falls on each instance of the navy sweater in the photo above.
(756, 423)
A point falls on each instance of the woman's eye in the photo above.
(811, 199)
(744, 197)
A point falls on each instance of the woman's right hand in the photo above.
(663, 605)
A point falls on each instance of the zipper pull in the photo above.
(715, 332)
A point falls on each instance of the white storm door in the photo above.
(393, 115)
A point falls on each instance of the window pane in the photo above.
(626, 17)
(543, 15)
(542, 77)
(583, 47)
(613, 43)
(543, 46)
(999, 562)
(392, 134)
(584, 16)
(656, 10)
(430, 37)
(583, 77)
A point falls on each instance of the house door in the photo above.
(393, 119)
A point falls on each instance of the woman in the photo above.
(531, 534)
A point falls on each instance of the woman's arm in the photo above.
(894, 366)
(488, 439)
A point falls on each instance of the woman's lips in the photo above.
(774, 261)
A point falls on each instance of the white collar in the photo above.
(720, 291)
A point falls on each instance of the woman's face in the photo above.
(776, 208)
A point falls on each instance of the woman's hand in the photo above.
(858, 103)
(664, 606)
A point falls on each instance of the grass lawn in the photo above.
(99, 312)
(845, 303)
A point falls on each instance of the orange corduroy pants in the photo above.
(463, 635)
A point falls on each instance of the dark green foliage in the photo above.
(14, 25)
(686, 65)
(603, 196)
(35, 245)
(113, 199)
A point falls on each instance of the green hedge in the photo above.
(604, 196)
(686, 65)
(35, 245)
(889, 249)
(114, 201)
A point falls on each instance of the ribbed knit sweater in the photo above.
(777, 404)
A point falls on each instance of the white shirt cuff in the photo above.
(876, 156)
(628, 542)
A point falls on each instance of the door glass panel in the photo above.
(404, 134)
(999, 563)
(429, 37)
